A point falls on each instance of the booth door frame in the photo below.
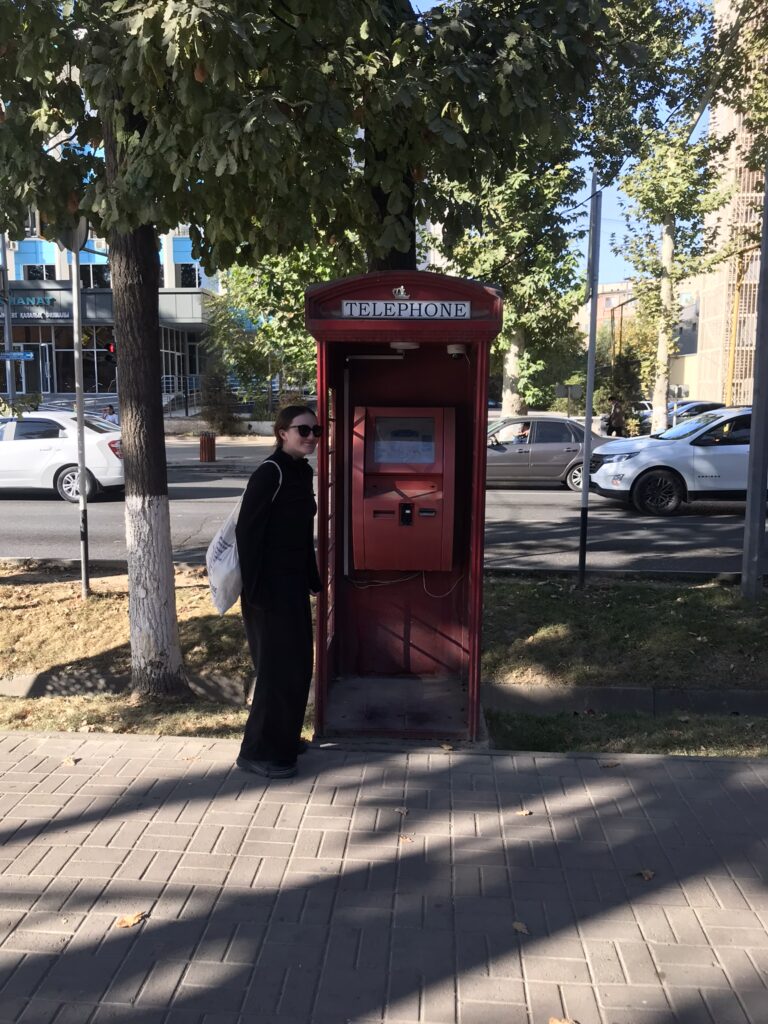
(327, 533)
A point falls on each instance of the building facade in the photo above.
(728, 307)
(728, 295)
(41, 316)
(615, 304)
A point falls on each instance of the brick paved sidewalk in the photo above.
(319, 901)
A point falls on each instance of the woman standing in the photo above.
(275, 545)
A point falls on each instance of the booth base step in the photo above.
(406, 706)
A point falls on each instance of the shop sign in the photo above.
(36, 307)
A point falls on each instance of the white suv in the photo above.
(704, 458)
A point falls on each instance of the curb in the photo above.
(655, 701)
(214, 467)
(517, 699)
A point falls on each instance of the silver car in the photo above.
(536, 449)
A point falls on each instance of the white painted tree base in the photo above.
(156, 664)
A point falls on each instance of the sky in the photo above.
(612, 268)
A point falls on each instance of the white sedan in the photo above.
(699, 459)
(38, 451)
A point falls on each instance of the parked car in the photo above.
(701, 458)
(527, 449)
(684, 410)
(38, 451)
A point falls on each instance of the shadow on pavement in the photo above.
(380, 886)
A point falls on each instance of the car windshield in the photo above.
(688, 427)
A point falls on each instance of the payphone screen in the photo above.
(404, 439)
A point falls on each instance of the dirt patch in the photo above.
(46, 627)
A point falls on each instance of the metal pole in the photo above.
(10, 367)
(757, 473)
(77, 329)
(593, 277)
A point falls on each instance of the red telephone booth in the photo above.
(402, 389)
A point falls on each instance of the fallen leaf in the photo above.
(523, 814)
(646, 874)
(562, 1020)
(401, 810)
(70, 761)
(406, 839)
(610, 764)
(518, 926)
(130, 920)
(683, 718)
(446, 746)
(86, 728)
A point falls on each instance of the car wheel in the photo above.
(66, 484)
(658, 493)
(574, 477)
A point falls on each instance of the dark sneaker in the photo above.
(267, 769)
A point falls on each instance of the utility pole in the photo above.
(73, 240)
(5, 288)
(757, 473)
(593, 277)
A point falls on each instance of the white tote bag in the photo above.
(222, 561)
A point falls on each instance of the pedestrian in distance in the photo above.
(275, 544)
(616, 425)
(110, 415)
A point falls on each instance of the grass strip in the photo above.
(690, 735)
(125, 713)
(615, 632)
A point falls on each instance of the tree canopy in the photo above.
(264, 124)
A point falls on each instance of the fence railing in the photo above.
(181, 395)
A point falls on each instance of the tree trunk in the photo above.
(399, 11)
(395, 259)
(512, 402)
(660, 418)
(156, 664)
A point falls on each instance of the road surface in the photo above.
(526, 528)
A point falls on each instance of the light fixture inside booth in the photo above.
(403, 346)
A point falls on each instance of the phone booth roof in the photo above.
(417, 304)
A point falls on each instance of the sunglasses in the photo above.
(305, 430)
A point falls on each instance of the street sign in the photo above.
(19, 357)
(73, 239)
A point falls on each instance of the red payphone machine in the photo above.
(403, 462)
(402, 391)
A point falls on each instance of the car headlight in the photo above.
(619, 458)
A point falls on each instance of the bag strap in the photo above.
(279, 474)
(277, 490)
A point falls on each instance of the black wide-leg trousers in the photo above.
(280, 641)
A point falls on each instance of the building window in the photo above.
(188, 275)
(95, 275)
(39, 272)
(161, 283)
(31, 224)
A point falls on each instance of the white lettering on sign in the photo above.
(404, 309)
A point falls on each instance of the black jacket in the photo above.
(275, 535)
